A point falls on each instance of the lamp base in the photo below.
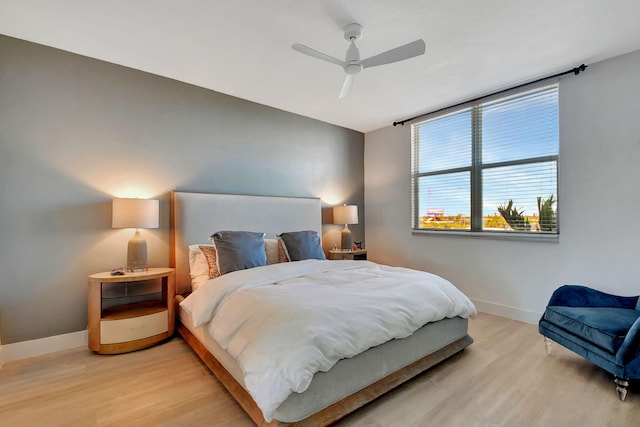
(345, 241)
(137, 253)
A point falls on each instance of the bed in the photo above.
(348, 384)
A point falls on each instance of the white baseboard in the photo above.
(507, 311)
(24, 349)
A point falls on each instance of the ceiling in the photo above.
(243, 47)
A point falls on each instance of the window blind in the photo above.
(490, 165)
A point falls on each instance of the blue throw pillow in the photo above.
(303, 245)
(239, 250)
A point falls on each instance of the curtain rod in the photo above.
(575, 71)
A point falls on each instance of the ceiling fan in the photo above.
(352, 63)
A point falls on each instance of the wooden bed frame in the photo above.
(327, 415)
(331, 413)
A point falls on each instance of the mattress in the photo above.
(348, 375)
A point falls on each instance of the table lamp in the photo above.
(135, 213)
(347, 214)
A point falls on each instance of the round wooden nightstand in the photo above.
(134, 317)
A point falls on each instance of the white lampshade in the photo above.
(347, 214)
(135, 213)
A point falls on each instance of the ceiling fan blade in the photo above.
(312, 52)
(346, 86)
(394, 55)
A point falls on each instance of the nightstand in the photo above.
(338, 254)
(132, 311)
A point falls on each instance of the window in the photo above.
(489, 166)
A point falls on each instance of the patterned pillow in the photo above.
(283, 256)
(271, 249)
(212, 259)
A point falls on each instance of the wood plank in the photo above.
(136, 309)
(236, 390)
(94, 308)
(127, 346)
(504, 379)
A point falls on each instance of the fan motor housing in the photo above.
(353, 32)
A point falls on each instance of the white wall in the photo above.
(599, 196)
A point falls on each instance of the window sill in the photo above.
(523, 237)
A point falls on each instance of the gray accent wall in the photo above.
(599, 196)
(76, 132)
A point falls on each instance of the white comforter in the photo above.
(284, 322)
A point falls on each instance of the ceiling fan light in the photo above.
(353, 68)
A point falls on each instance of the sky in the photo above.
(523, 126)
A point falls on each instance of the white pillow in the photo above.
(198, 281)
(198, 266)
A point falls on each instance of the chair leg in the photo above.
(547, 345)
(621, 388)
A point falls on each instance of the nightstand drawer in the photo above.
(123, 330)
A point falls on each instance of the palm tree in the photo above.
(514, 218)
(546, 214)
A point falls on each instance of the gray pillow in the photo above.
(303, 245)
(239, 250)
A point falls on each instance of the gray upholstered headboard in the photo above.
(195, 216)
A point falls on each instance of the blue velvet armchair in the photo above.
(600, 327)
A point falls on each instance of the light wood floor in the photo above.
(503, 379)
